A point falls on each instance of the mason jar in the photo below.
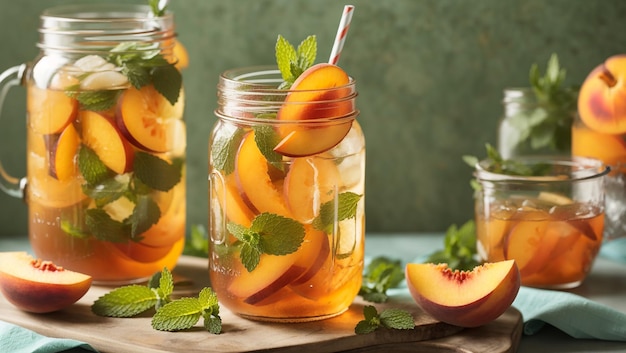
(531, 127)
(286, 198)
(105, 183)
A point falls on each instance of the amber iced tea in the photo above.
(106, 144)
(551, 225)
(310, 195)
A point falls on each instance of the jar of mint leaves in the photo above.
(537, 120)
(105, 184)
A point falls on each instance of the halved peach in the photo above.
(464, 298)
(63, 154)
(309, 183)
(49, 111)
(602, 97)
(256, 185)
(102, 136)
(321, 92)
(39, 286)
(148, 120)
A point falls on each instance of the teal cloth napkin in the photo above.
(16, 339)
(577, 316)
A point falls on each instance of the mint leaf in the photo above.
(346, 209)
(94, 100)
(168, 81)
(91, 167)
(291, 62)
(107, 190)
(459, 250)
(156, 10)
(73, 230)
(380, 275)
(180, 314)
(285, 54)
(103, 227)
(211, 310)
(279, 235)
(268, 234)
(156, 172)
(145, 214)
(250, 256)
(137, 75)
(224, 150)
(266, 139)
(125, 301)
(397, 319)
(213, 324)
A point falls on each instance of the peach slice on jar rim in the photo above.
(319, 93)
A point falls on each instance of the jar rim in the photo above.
(580, 169)
(95, 13)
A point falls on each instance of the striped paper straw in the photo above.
(342, 31)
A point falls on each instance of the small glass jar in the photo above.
(550, 223)
(269, 173)
(530, 127)
(105, 184)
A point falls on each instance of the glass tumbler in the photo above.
(105, 183)
(550, 223)
(286, 198)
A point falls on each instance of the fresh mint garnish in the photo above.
(145, 214)
(103, 227)
(94, 100)
(269, 234)
(346, 209)
(547, 125)
(293, 62)
(171, 314)
(155, 172)
(184, 313)
(396, 319)
(497, 164)
(459, 250)
(156, 8)
(224, 150)
(266, 139)
(91, 167)
(135, 299)
(380, 275)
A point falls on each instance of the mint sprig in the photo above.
(346, 208)
(269, 234)
(396, 319)
(171, 314)
(293, 62)
(135, 299)
(459, 250)
(381, 274)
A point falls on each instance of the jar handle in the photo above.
(9, 78)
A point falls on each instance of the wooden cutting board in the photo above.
(241, 335)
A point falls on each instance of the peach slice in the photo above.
(39, 286)
(321, 92)
(63, 154)
(530, 244)
(256, 185)
(309, 183)
(148, 120)
(464, 298)
(271, 274)
(602, 97)
(49, 111)
(230, 200)
(102, 136)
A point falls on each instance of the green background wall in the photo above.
(430, 75)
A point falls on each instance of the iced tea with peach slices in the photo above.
(286, 198)
(106, 163)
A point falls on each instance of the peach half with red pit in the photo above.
(39, 286)
(464, 298)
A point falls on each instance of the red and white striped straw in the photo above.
(342, 31)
